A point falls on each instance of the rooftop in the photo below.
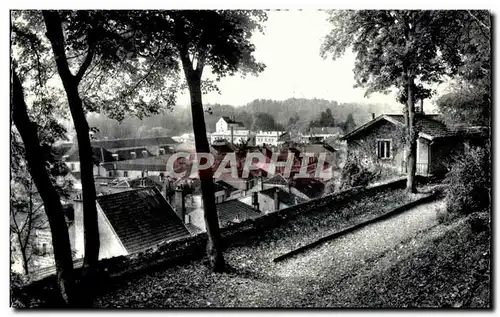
(133, 142)
(430, 126)
(142, 218)
(235, 211)
(283, 196)
(326, 130)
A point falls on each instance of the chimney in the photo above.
(180, 204)
(255, 200)
(276, 199)
(373, 115)
(422, 106)
(260, 184)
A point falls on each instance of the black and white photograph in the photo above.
(215, 158)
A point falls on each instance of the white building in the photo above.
(268, 137)
(231, 130)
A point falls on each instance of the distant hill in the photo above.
(178, 120)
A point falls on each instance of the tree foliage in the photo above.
(265, 122)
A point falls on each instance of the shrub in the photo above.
(355, 174)
(469, 182)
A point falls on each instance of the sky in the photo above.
(290, 49)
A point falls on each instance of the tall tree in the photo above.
(400, 49)
(126, 81)
(71, 84)
(220, 40)
(349, 123)
(50, 197)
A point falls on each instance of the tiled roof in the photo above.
(318, 148)
(230, 121)
(428, 124)
(193, 230)
(277, 179)
(226, 185)
(142, 218)
(283, 196)
(232, 211)
(136, 142)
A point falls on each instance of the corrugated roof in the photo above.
(142, 218)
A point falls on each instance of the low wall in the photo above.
(192, 248)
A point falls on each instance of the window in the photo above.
(110, 173)
(125, 173)
(384, 149)
(72, 166)
(162, 151)
(133, 155)
(44, 249)
(144, 153)
(115, 156)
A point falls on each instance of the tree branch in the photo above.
(90, 55)
(479, 21)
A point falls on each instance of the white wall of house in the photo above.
(239, 136)
(74, 166)
(110, 245)
(268, 137)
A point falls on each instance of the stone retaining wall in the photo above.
(192, 248)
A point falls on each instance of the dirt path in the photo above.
(317, 278)
(318, 272)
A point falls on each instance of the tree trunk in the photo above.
(412, 138)
(50, 198)
(70, 82)
(214, 245)
(25, 259)
(90, 221)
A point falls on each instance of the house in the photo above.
(271, 199)
(269, 138)
(381, 142)
(228, 129)
(319, 134)
(129, 222)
